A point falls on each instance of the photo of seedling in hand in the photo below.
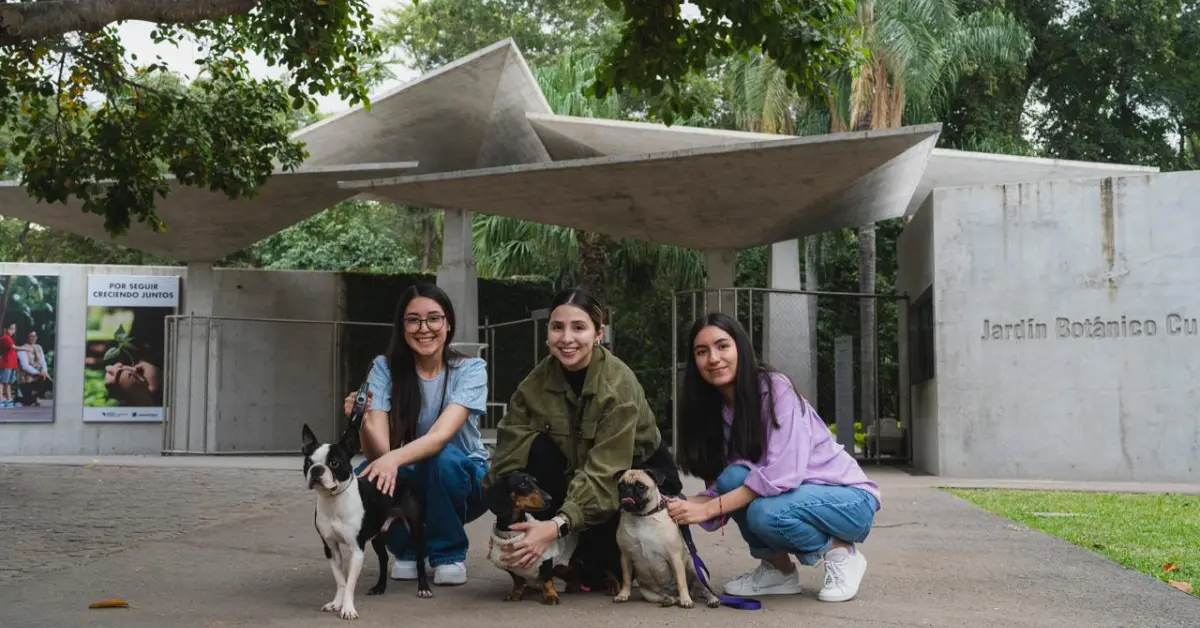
(123, 345)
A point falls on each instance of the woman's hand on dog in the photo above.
(538, 536)
(689, 512)
(382, 471)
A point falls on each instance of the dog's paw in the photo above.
(668, 601)
(712, 602)
(426, 593)
(348, 612)
(620, 598)
(332, 607)
(686, 603)
(377, 590)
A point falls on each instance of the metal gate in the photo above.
(816, 338)
(244, 386)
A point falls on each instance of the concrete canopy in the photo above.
(711, 197)
(483, 121)
(569, 137)
(204, 226)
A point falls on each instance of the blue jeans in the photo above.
(803, 521)
(453, 493)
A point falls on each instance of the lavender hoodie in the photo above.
(801, 450)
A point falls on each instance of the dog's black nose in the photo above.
(314, 475)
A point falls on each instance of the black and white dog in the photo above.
(351, 511)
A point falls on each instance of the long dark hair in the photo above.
(703, 450)
(583, 300)
(406, 389)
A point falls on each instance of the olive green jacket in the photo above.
(604, 432)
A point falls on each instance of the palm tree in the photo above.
(919, 49)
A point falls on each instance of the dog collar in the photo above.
(662, 503)
(343, 489)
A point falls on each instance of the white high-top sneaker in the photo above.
(450, 574)
(764, 580)
(844, 571)
(407, 569)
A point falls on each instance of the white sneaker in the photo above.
(407, 569)
(764, 580)
(844, 571)
(450, 574)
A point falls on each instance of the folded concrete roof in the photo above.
(724, 196)
(204, 226)
(479, 134)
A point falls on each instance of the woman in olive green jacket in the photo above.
(576, 420)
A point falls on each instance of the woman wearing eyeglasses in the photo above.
(422, 422)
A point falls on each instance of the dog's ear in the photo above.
(657, 475)
(617, 476)
(308, 442)
(497, 498)
(350, 441)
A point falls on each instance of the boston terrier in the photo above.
(351, 511)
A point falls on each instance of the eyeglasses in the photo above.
(434, 322)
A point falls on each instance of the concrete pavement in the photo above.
(200, 546)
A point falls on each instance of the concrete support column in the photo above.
(457, 275)
(720, 271)
(788, 342)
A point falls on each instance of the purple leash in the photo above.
(740, 603)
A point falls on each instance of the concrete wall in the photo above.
(272, 377)
(237, 382)
(68, 434)
(1067, 339)
(915, 275)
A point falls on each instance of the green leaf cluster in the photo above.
(89, 121)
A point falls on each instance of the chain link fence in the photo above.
(817, 339)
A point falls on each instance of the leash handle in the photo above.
(739, 603)
(360, 406)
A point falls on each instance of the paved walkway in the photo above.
(201, 545)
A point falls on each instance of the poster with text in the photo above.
(124, 361)
(28, 339)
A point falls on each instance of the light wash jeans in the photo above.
(803, 521)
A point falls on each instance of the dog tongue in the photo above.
(627, 500)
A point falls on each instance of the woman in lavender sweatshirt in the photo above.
(770, 464)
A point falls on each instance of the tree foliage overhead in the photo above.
(659, 47)
(91, 121)
(432, 33)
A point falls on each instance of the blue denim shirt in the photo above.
(467, 388)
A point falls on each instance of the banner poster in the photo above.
(124, 362)
(28, 343)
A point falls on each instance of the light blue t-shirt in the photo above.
(467, 388)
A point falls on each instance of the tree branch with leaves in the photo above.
(226, 131)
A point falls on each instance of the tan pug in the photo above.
(652, 546)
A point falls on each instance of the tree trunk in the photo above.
(866, 305)
(24, 239)
(812, 246)
(428, 226)
(46, 18)
(593, 257)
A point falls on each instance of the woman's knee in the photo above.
(732, 477)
